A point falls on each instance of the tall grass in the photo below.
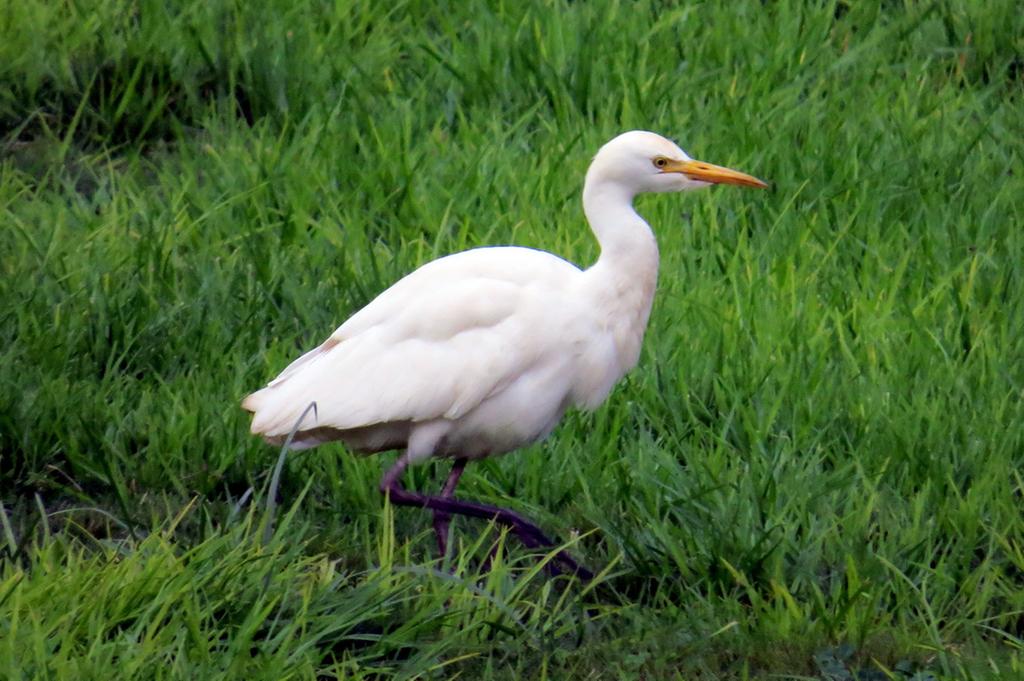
(814, 472)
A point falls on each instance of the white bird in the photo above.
(481, 352)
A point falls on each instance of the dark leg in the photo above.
(527, 532)
(441, 519)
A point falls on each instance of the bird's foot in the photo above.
(445, 506)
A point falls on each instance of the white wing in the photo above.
(436, 344)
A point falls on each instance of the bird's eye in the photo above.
(660, 162)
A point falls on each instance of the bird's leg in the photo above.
(527, 532)
(442, 519)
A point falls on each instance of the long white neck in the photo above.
(623, 279)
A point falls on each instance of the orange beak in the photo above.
(705, 172)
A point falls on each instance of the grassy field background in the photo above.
(815, 473)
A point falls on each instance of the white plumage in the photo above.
(481, 352)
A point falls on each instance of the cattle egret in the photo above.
(481, 352)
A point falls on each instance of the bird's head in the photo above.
(641, 161)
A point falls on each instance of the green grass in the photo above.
(815, 472)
